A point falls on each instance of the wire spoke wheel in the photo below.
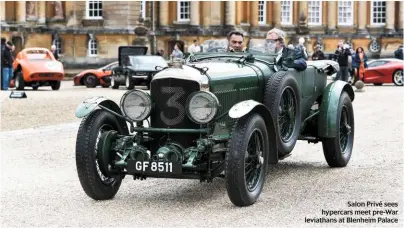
(344, 129)
(254, 159)
(104, 178)
(287, 114)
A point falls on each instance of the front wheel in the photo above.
(247, 160)
(114, 84)
(398, 78)
(96, 183)
(338, 150)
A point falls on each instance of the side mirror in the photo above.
(103, 70)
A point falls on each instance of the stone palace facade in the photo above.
(90, 32)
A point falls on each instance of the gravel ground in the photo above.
(40, 187)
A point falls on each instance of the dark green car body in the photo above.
(256, 95)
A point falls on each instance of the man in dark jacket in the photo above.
(275, 44)
(343, 54)
(398, 54)
(7, 65)
(318, 54)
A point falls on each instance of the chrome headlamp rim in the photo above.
(144, 95)
(216, 108)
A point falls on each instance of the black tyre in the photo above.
(338, 150)
(129, 83)
(19, 81)
(56, 85)
(398, 78)
(90, 81)
(35, 87)
(247, 160)
(114, 84)
(282, 98)
(95, 182)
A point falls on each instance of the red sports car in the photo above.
(93, 77)
(381, 71)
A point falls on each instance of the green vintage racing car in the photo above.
(227, 115)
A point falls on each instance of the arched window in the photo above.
(58, 43)
(92, 47)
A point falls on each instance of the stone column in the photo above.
(230, 13)
(332, 16)
(195, 13)
(254, 13)
(21, 11)
(400, 17)
(206, 14)
(216, 16)
(362, 17)
(276, 14)
(42, 12)
(390, 17)
(2, 11)
(163, 19)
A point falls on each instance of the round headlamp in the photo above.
(136, 105)
(202, 107)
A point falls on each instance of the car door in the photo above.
(374, 72)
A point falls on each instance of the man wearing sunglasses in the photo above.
(236, 41)
(275, 45)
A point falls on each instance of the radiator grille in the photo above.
(169, 97)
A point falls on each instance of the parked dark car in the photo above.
(226, 115)
(135, 68)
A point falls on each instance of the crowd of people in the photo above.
(353, 63)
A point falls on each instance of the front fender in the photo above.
(243, 108)
(89, 105)
(327, 122)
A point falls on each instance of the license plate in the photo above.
(154, 167)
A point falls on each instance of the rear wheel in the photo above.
(398, 77)
(55, 85)
(282, 97)
(90, 80)
(338, 150)
(19, 81)
(96, 182)
(129, 83)
(247, 160)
